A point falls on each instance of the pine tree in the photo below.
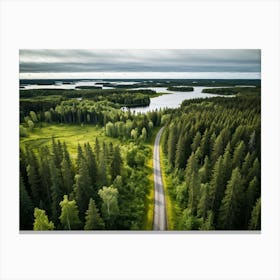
(57, 152)
(56, 190)
(67, 177)
(45, 179)
(248, 161)
(26, 208)
(41, 221)
(238, 155)
(93, 219)
(192, 183)
(83, 189)
(164, 140)
(220, 144)
(205, 143)
(255, 222)
(171, 144)
(180, 156)
(227, 164)
(217, 185)
(116, 164)
(189, 222)
(205, 171)
(33, 178)
(252, 193)
(255, 170)
(209, 222)
(204, 201)
(69, 217)
(229, 216)
(80, 156)
(196, 141)
(92, 165)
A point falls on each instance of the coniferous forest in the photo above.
(86, 164)
(213, 163)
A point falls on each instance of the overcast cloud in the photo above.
(126, 61)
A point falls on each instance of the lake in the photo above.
(172, 100)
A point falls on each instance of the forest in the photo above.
(86, 164)
(212, 164)
(99, 183)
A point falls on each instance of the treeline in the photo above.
(103, 188)
(118, 124)
(213, 157)
(172, 88)
(233, 90)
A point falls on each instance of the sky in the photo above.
(142, 63)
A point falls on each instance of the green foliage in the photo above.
(26, 208)
(255, 222)
(232, 202)
(110, 208)
(189, 221)
(22, 131)
(69, 217)
(83, 189)
(214, 137)
(41, 221)
(93, 219)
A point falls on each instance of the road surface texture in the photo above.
(159, 210)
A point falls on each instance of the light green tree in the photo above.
(110, 208)
(69, 217)
(41, 221)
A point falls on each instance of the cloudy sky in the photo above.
(139, 63)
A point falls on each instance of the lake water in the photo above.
(172, 100)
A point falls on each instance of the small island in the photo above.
(172, 88)
(233, 90)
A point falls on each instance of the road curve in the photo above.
(159, 208)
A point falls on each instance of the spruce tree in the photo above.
(229, 215)
(238, 155)
(69, 217)
(67, 178)
(56, 190)
(252, 193)
(205, 171)
(209, 222)
(180, 156)
(93, 221)
(83, 189)
(171, 145)
(205, 143)
(45, 179)
(92, 165)
(217, 185)
(204, 201)
(227, 164)
(26, 208)
(192, 183)
(116, 164)
(34, 178)
(196, 141)
(41, 221)
(255, 222)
